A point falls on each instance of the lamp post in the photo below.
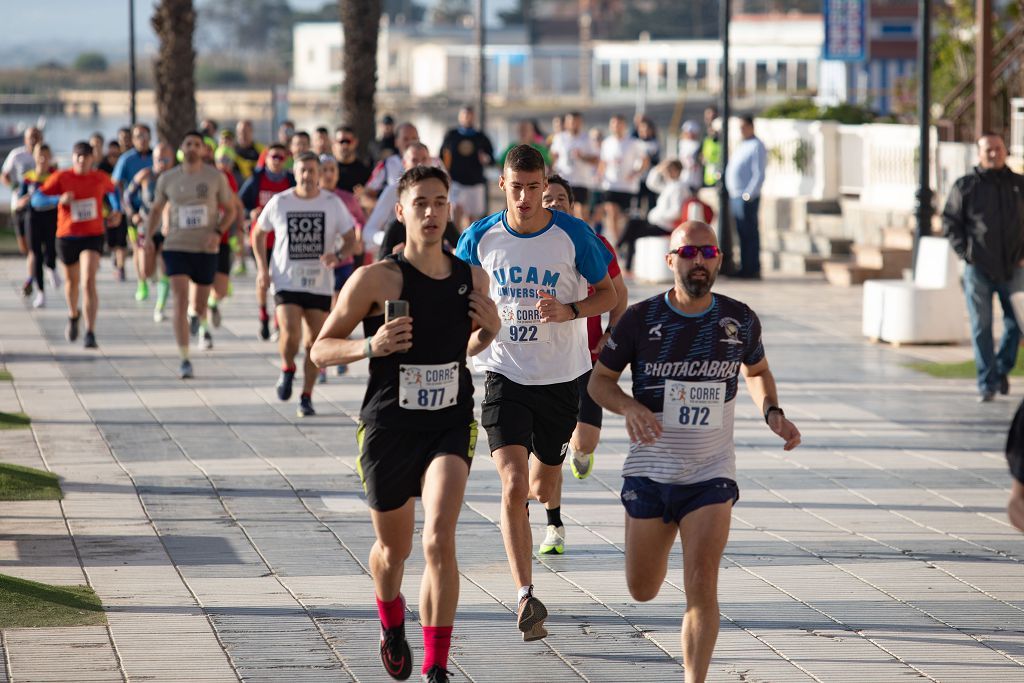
(924, 191)
(724, 220)
(131, 61)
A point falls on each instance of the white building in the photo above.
(773, 54)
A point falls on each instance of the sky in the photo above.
(61, 29)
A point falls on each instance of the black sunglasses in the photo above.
(690, 251)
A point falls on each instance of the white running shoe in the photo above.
(54, 278)
(40, 300)
(554, 541)
(158, 315)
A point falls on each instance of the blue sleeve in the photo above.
(43, 201)
(119, 169)
(620, 349)
(592, 258)
(755, 349)
(249, 194)
(22, 189)
(467, 248)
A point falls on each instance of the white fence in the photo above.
(876, 162)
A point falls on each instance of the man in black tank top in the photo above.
(416, 423)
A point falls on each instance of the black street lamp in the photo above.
(131, 61)
(724, 220)
(924, 190)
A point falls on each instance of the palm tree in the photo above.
(360, 22)
(174, 22)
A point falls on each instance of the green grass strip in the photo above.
(5, 376)
(14, 421)
(26, 483)
(963, 370)
(29, 604)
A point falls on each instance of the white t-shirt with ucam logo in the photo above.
(561, 260)
(305, 229)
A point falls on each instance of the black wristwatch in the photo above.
(773, 409)
(575, 310)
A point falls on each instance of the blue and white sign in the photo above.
(845, 33)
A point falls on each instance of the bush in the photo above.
(90, 62)
(213, 75)
(806, 110)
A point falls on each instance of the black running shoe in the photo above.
(437, 675)
(193, 324)
(532, 614)
(90, 340)
(71, 331)
(284, 384)
(264, 332)
(395, 653)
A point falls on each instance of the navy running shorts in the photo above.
(644, 498)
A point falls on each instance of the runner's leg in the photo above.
(512, 463)
(705, 532)
(90, 261)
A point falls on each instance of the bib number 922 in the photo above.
(694, 416)
(522, 333)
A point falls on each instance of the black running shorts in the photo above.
(199, 267)
(70, 249)
(392, 462)
(224, 259)
(541, 418)
(589, 412)
(304, 300)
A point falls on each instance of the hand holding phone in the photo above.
(397, 336)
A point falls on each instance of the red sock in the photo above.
(288, 368)
(437, 640)
(391, 613)
(263, 314)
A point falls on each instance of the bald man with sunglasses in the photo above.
(687, 348)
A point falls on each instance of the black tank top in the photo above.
(429, 386)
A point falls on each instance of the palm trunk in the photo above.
(174, 22)
(360, 22)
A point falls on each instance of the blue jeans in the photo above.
(745, 215)
(992, 365)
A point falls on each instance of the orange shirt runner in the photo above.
(83, 217)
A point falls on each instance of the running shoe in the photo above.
(275, 334)
(323, 376)
(158, 314)
(193, 324)
(581, 464)
(71, 331)
(532, 614)
(121, 277)
(142, 291)
(437, 675)
(554, 541)
(54, 276)
(305, 407)
(40, 300)
(284, 384)
(1004, 385)
(207, 340)
(26, 288)
(215, 316)
(89, 341)
(395, 652)
(185, 370)
(240, 268)
(264, 332)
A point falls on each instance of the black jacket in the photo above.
(984, 220)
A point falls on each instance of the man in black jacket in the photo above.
(984, 220)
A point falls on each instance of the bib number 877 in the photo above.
(522, 333)
(696, 416)
(430, 398)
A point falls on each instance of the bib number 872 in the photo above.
(429, 398)
(694, 416)
(522, 333)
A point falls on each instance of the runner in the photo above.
(316, 233)
(40, 224)
(574, 156)
(345, 268)
(542, 262)
(222, 279)
(142, 191)
(193, 193)
(558, 196)
(322, 140)
(686, 347)
(79, 193)
(247, 150)
(352, 172)
(417, 434)
(263, 184)
(622, 164)
(128, 165)
(390, 169)
(465, 152)
(383, 214)
(19, 161)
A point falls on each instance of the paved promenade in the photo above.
(229, 542)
